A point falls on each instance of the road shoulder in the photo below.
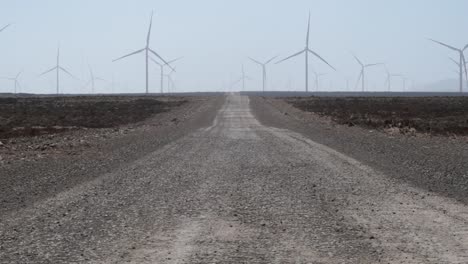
(24, 182)
(435, 164)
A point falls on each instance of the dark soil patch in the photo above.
(35, 116)
(433, 115)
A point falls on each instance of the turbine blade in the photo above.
(308, 32)
(270, 60)
(174, 60)
(44, 73)
(359, 61)
(236, 82)
(149, 30)
(359, 79)
(157, 55)
(292, 56)
(255, 61)
(173, 70)
(67, 72)
(155, 61)
(454, 61)
(466, 47)
(128, 55)
(318, 56)
(373, 64)
(445, 45)
(5, 27)
(18, 75)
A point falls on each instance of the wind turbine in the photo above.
(5, 27)
(362, 75)
(58, 68)
(263, 65)
(16, 82)
(403, 79)
(317, 79)
(458, 65)
(92, 79)
(170, 81)
(389, 78)
(306, 51)
(161, 66)
(461, 64)
(242, 78)
(147, 50)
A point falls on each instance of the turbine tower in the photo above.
(242, 79)
(306, 51)
(161, 66)
(16, 82)
(362, 75)
(92, 80)
(264, 73)
(461, 64)
(5, 27)
(147, 51)
(58, 68)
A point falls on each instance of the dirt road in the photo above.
(239, 192)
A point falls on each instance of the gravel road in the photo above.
(239, 192)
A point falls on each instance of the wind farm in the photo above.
(219, 142)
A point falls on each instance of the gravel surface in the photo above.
(238, 192)
(33, 169)
(435, 163)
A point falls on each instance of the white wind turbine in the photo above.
(306, 51)
(147, 50)
(264, 71)
(16, 82)
(388, 81)
(461, 64)
(242, 79)
(170, 81)
(58, 68)
(403, 78)
(362, 75)
(92, 80)
(162, 66)
(317, 79)
(458, 65)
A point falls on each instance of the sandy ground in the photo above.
(239, 192)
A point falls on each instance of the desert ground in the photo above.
(233, 178)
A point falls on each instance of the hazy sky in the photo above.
(216, 36)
